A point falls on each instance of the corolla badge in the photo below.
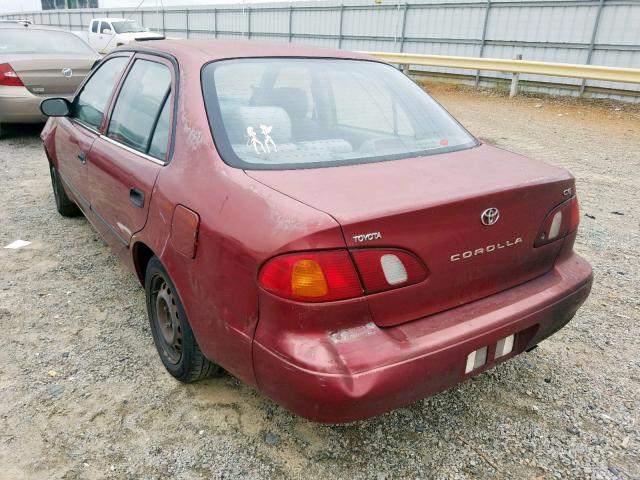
(67, 72)
(490, 216)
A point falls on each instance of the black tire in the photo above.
(64, 204)
(171, 331)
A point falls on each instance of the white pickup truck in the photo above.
(105, 34)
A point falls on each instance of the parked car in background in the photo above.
(106, 34)
(37, 62)
(313, 222)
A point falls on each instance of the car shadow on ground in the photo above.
(12, 131)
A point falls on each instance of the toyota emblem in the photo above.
(490, 216)
(67, 72)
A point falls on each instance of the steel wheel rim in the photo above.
(167, 320)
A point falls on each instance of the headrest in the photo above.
(293, 100)
(238, 119)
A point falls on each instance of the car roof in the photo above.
(210, 50)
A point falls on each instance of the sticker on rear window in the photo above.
(266, 132)
(253, 141)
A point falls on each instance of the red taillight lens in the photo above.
(561, 221)
(312, 276)
(574, 218)
(8, 77)
(385, 269)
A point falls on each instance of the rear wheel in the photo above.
(64, 204)
(171, 331)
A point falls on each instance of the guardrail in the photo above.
(591, 72)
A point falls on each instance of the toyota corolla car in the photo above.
(313, 222)
(37, 62)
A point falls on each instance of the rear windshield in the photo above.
(27, 40)
(283, 113)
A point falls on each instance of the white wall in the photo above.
(14, 6)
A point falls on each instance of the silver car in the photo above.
(37, 62)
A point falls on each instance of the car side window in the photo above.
(105, 26)
(94, 26)
(160, 139)
(89, 105)
(139, 111)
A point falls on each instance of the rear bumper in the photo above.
(19, 105)
(367, 370)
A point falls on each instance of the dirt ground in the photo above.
(83, 393)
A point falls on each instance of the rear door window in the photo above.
(90, 104)
(105, 26)
(160, 139)
(139, 109)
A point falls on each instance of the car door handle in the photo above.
(82, 157)
(136, 197)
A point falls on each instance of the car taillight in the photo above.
(385, 269)
(323, 276)
(8, 77)
(319, 276)
(561, 221)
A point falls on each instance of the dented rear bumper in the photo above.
(340, 375)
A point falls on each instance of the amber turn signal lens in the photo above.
(307, 279)
(316, 276)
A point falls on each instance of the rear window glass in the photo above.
(27, 40)
(281, 113)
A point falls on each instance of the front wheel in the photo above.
(171, 331)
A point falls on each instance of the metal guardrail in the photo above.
(591, 72)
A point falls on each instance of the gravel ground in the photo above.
(84, 395)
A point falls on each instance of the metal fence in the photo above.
(599, 32)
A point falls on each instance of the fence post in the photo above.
(484, 37)
(592, 45)
(215, 23)
(163, 30)
(248, 22)
(341, 21)
(515, 78)
(404, 26)
(187, 23)
(290, 22)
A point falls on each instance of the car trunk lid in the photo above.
(432, 206)
(50, 75)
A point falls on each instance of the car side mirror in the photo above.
(107, 31)
(55, 107)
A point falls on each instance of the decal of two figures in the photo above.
(254, 142)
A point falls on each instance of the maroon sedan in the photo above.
(313, 222)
